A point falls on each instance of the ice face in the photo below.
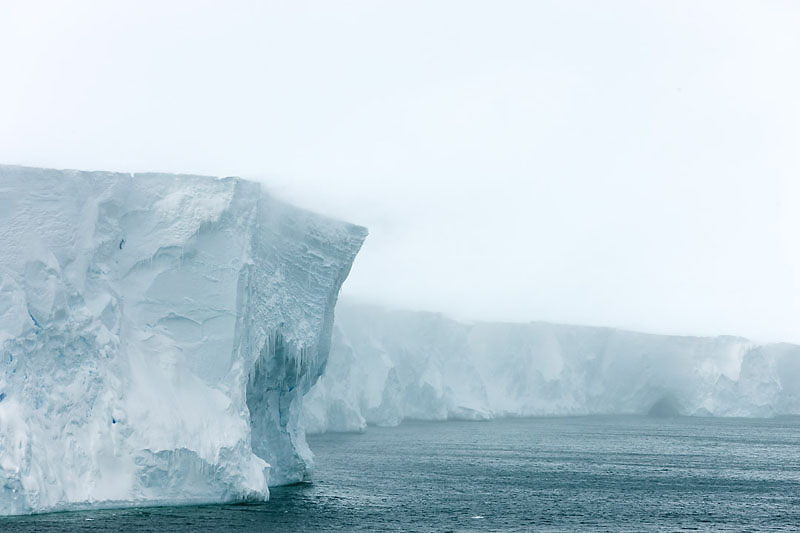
(157, 334)
(388, 365)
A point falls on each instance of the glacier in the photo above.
(388, 365)
(157, 336)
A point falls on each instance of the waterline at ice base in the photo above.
(157, 334)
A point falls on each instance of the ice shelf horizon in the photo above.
(157, 335)
(389, 365)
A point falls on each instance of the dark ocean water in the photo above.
(550, 474)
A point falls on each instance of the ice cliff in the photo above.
(157, 335)
(389, 365)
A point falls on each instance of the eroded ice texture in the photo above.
(157, 334)
(388, 365)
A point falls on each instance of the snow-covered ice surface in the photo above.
(388, 365)
(157, 334)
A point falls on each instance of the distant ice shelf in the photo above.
(157, 335)
(390, 365)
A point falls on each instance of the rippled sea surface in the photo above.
(549, 474)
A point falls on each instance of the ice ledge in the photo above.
(157, 334)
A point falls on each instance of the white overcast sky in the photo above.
(632, 164)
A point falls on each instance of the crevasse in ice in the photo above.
(157, 334)
(389, 365)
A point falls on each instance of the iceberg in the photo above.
(157, 336)
(390, 365)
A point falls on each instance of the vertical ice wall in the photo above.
(390, 365)
(157, 334)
